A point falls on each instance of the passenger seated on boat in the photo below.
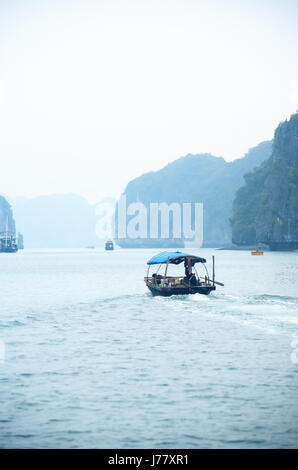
(193, 280)
(157, 278)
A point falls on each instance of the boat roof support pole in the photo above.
(166, 270)
(206, 271)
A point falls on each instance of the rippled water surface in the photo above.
(93, 360)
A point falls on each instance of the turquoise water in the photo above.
(93, 360)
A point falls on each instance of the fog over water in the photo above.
(93, 360)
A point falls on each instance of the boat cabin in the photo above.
(8, 243)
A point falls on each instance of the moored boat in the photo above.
(109, 245)
(257, 252)
(190, 283)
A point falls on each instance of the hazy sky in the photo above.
(94, 93)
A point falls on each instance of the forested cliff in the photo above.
(266, 207)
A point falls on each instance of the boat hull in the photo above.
(169, 291)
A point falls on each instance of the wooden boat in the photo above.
(8, 243)
(191, 283)
(257, 252)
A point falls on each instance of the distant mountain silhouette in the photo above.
(266, 207)
(6, 216)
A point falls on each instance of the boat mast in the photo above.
(213, 270)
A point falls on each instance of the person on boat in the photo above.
(157, 278)
(193, 280)
(188, 270)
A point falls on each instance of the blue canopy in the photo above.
(174, 257)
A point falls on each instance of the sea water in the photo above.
(89, 359)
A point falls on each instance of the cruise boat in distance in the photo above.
(257, 252)
(190, 283)
(8, 243)
(109, 245)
